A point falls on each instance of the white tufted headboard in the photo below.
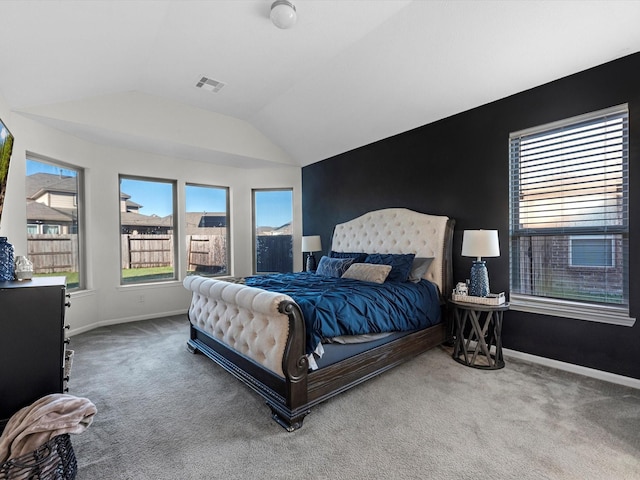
(400, 230)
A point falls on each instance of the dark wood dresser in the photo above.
(32, 342)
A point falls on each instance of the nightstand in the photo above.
(478, 334)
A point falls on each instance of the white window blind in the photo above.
(569, 180)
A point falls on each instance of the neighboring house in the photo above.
(206, 223)
(51, 204)
(137, 224)
(134, 223)
(127, 205)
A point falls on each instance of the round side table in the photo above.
(482, 325)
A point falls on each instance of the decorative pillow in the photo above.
(400, 264)
(357, 257)
(368, 272)
(419, 268)
(333, 267)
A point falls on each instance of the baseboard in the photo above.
(570, 367)
(115, 321)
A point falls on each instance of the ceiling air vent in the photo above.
(210, 84)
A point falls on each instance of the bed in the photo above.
(261, 336)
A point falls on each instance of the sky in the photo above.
(274, 207)
(40, 167)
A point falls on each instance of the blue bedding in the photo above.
(340, 306)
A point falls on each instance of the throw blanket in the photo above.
(48, 417)
(334, 307)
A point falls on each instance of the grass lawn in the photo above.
(136, 275)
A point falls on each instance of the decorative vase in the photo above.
(6, 260)
(23, 268)
(311, 263)
(479, 284)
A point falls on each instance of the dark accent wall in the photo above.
(459, 167)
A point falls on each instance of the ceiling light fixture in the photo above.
(283, 14)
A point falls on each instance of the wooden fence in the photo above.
(148, 250)
(274, 254)
(207, 254)
(51, 253)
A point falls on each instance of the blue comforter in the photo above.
(340, 306)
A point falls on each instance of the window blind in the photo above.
(569, 180)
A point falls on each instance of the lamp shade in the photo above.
(283, 14)
(480, 243)
(311, 243)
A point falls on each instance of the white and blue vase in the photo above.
(479, 282)
(6, 260)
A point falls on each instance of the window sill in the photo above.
(150, 285)
(577, 310)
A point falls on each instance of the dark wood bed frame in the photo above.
(291, 398)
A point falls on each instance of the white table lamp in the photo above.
(311, 244)
(480, 243)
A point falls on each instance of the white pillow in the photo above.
(368, 272)
(419, 268)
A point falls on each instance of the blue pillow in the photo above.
(400, 264)
(333, 267)
(357, 257)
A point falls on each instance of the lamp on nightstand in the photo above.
(311, 244)
(480, 243)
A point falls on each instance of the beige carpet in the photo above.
(164, 413)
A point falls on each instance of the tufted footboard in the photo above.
(258, 336)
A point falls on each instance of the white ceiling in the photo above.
(347, 74)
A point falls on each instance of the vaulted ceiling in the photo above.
(347, 74)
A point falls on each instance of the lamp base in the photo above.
(311, 263)
(479, 282)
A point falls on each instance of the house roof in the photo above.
(137, 219)
(40, 212)
(205, 219)
(40, 183)
(349, 73)
(131, 203)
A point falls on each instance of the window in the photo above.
(147, 226)
(569, 224)
(272, 229)
(54, 219)
(592, 251)
(53, 229)
(207, 219)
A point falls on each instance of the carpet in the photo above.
(164, 413)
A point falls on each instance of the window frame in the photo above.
(254, 236)
(227, 227)
(600, 312)
(80, 206)
(48, 226)
(174, 229)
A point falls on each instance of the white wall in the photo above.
(106, 301)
